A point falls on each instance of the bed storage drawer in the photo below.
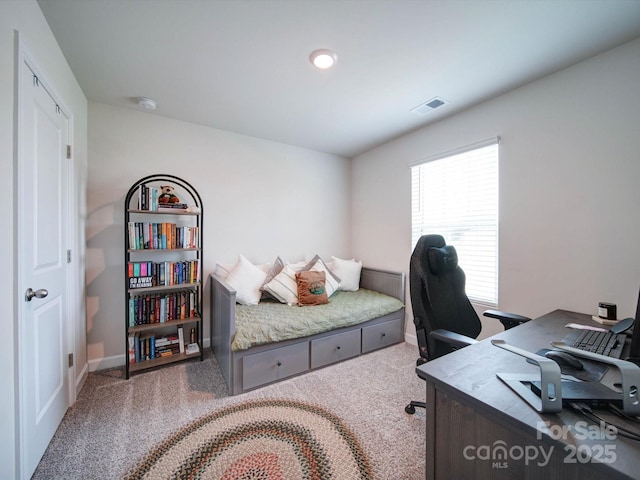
(262, 368)
(382, 335)
(335, 348)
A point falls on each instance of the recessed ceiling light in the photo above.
(147, 103)
(323, 58)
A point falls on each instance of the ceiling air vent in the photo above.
(429, 106)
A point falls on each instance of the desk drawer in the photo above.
(262, 368)
(335, 348)
(382, 335)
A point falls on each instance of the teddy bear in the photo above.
(167, 195)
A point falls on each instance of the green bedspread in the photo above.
(271, 322)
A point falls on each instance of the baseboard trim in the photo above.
(106, 362)
(411, 338)
(79, 382)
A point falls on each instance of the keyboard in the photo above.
(603, 343)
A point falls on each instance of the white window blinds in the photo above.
(456, 195)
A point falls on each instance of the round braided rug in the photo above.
(259, 440)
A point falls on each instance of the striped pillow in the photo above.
(284, 286)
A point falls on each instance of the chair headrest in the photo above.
(443, 259)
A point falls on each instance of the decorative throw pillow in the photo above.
(246, 279)
(332, 282)
(299, 266)
(349, 273)
(311, 288)
(283, 286)
(275, 268)
(224, 269)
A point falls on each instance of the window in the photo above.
(456, 195)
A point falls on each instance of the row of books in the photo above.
(162, 274)
(161, 308)
(142, 348)
(148, 200)
(162, 236)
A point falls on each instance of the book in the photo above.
(145, 235)
(192, 348)
(181, 339)
(154, 193)
(136, 348)
(132, 312)
(152, 347)
(168, 207)
(139, 245)
(132, 350)
(131, 231)
(167, 340)
(142, 197)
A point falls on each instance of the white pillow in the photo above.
(246, 279)
(349, 273)
(299, 266)
(332, 281)
(284, 286)
(224, 269)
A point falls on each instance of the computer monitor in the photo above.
(634, 351)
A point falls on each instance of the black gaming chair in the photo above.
(442, 313)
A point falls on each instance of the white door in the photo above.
(42, 229)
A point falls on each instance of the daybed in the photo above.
(264, 363)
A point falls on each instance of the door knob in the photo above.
(29, 294)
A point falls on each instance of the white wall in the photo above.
(25, 16)
(261, 199)
(569, 187)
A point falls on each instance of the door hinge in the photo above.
(68, 151)
(68, 256)
(71, 360)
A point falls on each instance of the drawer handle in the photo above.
(279, 363)
(383, 334)
(338, 347)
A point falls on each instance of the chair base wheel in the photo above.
(411, 408)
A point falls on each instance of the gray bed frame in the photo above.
(264, 364)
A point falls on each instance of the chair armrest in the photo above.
(451, 338)
(509, 320)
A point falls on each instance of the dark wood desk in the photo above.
(478, 428)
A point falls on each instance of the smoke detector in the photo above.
(147, 103)
(429, 106)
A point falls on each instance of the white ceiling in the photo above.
(243, 65)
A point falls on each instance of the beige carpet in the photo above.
(115, 422)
